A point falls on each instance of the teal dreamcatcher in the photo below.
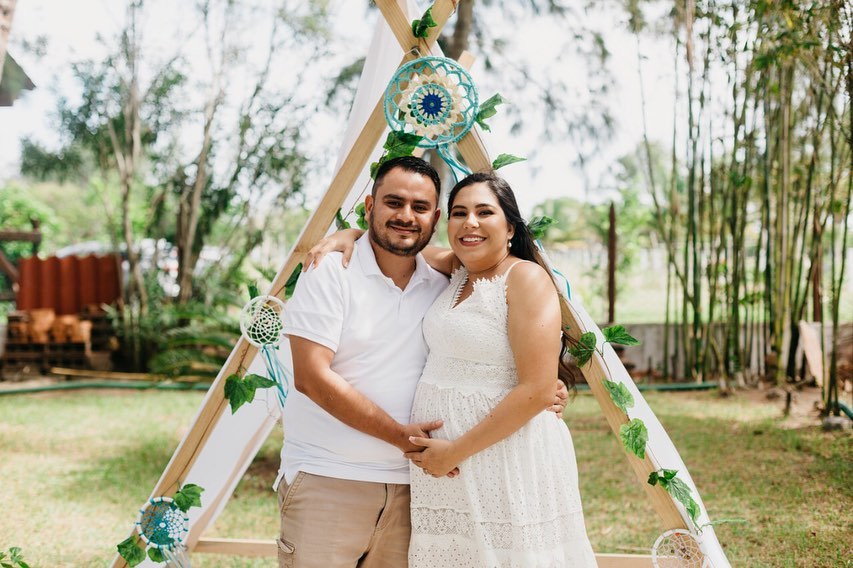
(433, 98)
(164, 526)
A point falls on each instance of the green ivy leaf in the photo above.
(678, 490)
(538, 226)
(616, 334)
(488, 110)
(420, 28)
(360, 213)
(258, 381)
(340, 222)
(188, 496)
(240, 391)
(583, 350)
(16, 557)
(681, 492)
(620, 395)
(131, 553)
(155, 555)
(290, 285)
(254, 292)
(236, 392)
(634, 436)
(505, 160)
(397, 144)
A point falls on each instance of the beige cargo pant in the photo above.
(339, 523)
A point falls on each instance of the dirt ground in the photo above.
(806, 404)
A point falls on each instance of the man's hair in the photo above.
(409, 164)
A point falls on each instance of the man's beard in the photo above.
(386, 243)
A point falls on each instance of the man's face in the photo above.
(403, 214)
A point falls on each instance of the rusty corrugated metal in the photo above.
(68, 285)
(29, 270)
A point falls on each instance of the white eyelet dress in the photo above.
(515, 504)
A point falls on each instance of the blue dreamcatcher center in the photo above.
(162, 524)
(430, 104)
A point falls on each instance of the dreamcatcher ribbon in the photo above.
(433, 98)
(554, 271)
(262, 325)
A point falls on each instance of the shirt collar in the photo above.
(367, 260)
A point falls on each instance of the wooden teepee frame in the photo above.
(473, 150)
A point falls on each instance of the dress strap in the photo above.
(514, 264)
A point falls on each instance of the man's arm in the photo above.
(314, 378)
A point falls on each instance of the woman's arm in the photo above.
(441, 259)
(340, 241)
(534, 335)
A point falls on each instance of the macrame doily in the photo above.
(435, 98)
(677, 548)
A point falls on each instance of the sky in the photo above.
(71, 29)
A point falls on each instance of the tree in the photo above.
(764, 149)
(191, 155)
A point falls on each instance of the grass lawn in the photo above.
(74, 468)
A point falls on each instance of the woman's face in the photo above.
(477, 227)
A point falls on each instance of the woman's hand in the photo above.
(438, 457)
(341, 241)
(560, 399)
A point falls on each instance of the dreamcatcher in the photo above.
(434, 98)
(262, 325)
(678, 548)
(164, 526)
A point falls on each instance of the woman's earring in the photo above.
(509, 243)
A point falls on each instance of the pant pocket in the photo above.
(286, 492)
(285, 554)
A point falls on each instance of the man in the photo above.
(358, 352)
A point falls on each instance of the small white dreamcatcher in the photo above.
(678, 548)
(262, 325)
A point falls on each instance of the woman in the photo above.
(495, 343)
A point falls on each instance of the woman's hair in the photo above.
(523, 246)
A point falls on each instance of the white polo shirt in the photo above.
(374, 328)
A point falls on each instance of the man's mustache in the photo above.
(408, 227)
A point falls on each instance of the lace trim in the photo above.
(463, 275)
(499, 535)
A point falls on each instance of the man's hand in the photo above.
(419, 431)
(560, 400)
